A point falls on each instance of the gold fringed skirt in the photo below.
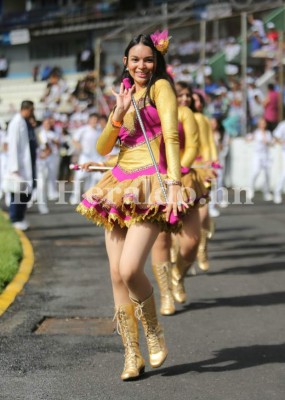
(137, 200)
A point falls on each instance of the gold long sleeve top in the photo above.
(161, 125)
(207, 148)
(189, 136)
(213, 147)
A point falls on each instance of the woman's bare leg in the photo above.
(204, 217)
(125, 310)
(115, 240)
(161, 249)
(190, 236)
(138, 243)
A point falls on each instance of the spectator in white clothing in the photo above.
(43, 161)
(3, 157)
(21, 149)
(3, 66)
(257, 24)
(53, 135)
(279, 135)
(56, 86)
(262, 140)
(85, 139)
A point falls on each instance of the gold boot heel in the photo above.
(178, 274)
(212, 228)
(178, 289)
(146, 312)
(174, 248)
(162, 273)
(127, 327)
(202, 254)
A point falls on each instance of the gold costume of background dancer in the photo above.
(170, 281)
(208, 155)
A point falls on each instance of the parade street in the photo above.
(226, 343)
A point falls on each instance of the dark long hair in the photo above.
(184, 85)
(160, 69)
(202, 100)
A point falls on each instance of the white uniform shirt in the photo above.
(43, 143)
(279, 133)
(87, 137)
(19, 154)
(261, 147)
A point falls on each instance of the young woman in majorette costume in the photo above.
(128, 200)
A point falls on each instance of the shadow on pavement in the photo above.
(235, 229)
(230, 359)
(266, 299)
(247, 255)
(59, 226)
(251, 269)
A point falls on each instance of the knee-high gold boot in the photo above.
(178, 274)
(146, 312)
(202, 255)
(174, 248)
(127, 326)
(162, 273)
(212, 228)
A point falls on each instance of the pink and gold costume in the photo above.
(207, 151)
(130, 192)
(189, 146)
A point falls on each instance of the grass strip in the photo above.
(11, 251)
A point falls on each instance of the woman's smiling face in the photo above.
(184, 97)
(141, 64)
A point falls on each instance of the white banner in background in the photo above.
(20, 36)
(218, 11)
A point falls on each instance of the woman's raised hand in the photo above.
(123, 100)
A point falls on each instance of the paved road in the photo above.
(227, 343)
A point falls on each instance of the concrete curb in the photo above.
(9, 294)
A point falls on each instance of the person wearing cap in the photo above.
(255, 40)
(272, 34)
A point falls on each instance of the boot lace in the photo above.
(139, 311)
(151, 331)
(116, 318)
(152, 337)
(163, 276)
(122, 329)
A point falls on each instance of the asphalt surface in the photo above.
(226, 343)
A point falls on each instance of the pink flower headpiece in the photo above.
(160, 41)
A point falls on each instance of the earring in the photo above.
(126, 69)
